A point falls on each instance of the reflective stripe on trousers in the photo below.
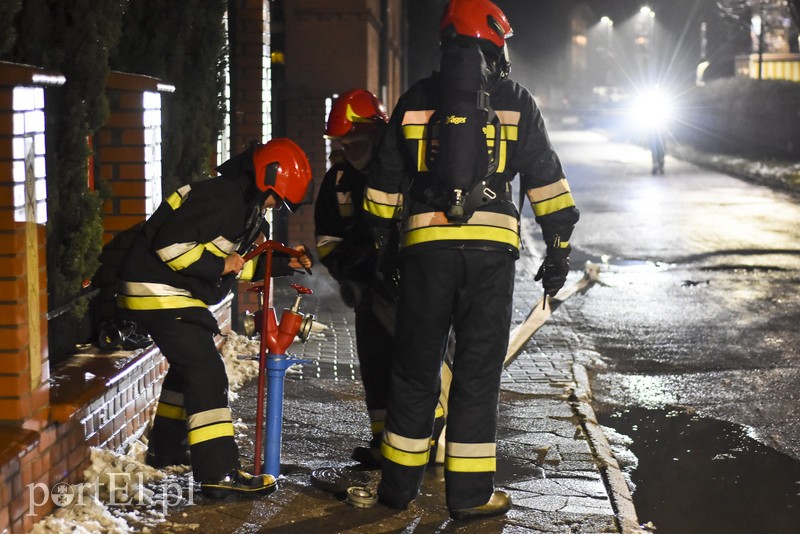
(197, 372)
(475, 289)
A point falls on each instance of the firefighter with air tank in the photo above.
(453, 145)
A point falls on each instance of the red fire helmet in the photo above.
(356, 111)
(282, 168)
(477, 18)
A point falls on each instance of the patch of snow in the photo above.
(239, 371)
(121, 494)
(620, 447)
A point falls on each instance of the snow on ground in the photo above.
(120, 493)
(239, 370)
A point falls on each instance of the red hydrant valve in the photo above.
(301, 290)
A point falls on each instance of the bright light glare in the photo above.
(646, 11)
(607, 20)
(652, 109)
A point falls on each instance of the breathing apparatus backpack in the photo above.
(458, 156)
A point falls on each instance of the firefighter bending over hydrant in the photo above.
(189, 256)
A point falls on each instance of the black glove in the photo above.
(554, 270)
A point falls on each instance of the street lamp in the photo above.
(646, 23)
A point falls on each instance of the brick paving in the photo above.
(552, 457)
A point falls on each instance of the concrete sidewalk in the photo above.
(552, 456)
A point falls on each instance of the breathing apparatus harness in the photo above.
(461, 162)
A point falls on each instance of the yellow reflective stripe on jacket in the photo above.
(553, 205)
(381, 204)
(327, 244)
(158, 303)
(551, 198)
(152, 289)
(176, 199)
(547, 192)
(417, 116)
(414, 131)
(180, 255)
(207, 433)
(248, 270)
(170, 411)
(152, 296)
(344, 200)
(483, 226)
(221, 247)
(470, 457)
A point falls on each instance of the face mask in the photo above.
(357, 150)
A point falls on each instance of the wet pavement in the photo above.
(553, 458)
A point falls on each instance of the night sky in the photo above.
(539, 47)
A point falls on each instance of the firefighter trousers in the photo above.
(193, 406)
(375, 347)
(472, 290)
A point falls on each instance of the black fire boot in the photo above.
(369, 457)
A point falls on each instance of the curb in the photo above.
(619, 493)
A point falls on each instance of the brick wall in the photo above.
(121, 158)
(23, 279)
(249, 23)
(96, 400)
(331, 48)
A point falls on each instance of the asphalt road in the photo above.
(698, 312)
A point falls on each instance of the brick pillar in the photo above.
(24, 369)
(248, 21)
(250, 68)
(127, 157)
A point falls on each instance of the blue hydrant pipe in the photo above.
(277, 364)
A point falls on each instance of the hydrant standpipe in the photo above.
(274, 362)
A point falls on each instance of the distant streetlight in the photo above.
(646, 37)
(609, 25)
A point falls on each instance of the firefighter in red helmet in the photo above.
(344, 245)
(457, 266)
(188, 256)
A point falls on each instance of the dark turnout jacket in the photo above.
(175, 264)
(399, 187)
